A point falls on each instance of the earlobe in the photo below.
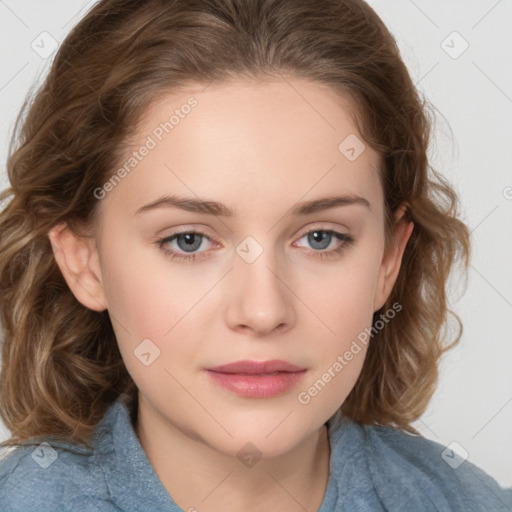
(78, 262)
(392, 261)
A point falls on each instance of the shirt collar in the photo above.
(131, 480)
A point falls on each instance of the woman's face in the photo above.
(287, 276)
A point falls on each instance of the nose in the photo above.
(260, 299)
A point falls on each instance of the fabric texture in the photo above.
(372, 468)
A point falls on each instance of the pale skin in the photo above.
(259, 148)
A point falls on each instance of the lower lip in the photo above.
(257, 386)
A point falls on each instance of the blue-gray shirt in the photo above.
(371, 469)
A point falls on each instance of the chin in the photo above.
(251, 449)
(267, 435)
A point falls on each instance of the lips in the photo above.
(255, 379)
(257, 367)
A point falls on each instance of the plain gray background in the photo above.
(459, 54)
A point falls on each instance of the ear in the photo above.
(392, 260)
(77, 258)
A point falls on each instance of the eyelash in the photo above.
(332, 253)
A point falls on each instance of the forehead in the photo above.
(248, 143)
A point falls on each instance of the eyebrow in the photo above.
(215, 208)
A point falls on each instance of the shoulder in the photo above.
(403, 464)
(50, 477)
(59, 476)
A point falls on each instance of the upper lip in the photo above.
(257, 367)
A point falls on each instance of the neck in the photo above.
(197, 476)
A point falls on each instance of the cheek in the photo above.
(144, 311)
(151, 299)
(343, 294)
(346, 315)
(144, 297)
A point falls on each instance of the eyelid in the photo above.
(203, 231)
(322, 226)
(187, 228)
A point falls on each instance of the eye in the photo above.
(322, 239)
(185, 245)
(187, 241)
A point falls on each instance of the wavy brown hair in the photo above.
(61, 367)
